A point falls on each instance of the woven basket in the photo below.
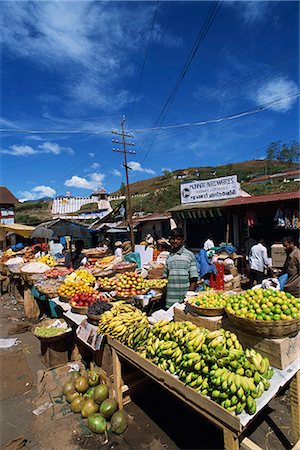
(209, 312)
(45, 323)
(267, 329)
(80, 309)
(64, 299)
(94, 319)
(130, 268)
(102, 273)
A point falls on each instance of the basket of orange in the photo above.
(265, 312)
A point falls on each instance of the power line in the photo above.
(220, 119)
(258, 109)
(215, 7)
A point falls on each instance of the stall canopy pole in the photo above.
(227, 228)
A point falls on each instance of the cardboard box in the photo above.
(278, 255)
(281, 352)
(211, 323)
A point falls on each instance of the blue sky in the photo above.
(76, 67)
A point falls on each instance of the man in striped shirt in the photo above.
(180, 269)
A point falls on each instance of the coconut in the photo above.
(77, 404)
(93, 377)
(108, 407)
(68, 387)
(71, 396)
(89, 407)
(97, 423)
(81, 384)
(119, 422)
(100, 393)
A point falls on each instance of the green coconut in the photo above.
(108, 407)
(97, 423)
(119, 422)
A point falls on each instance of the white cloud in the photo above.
(56, 149)
(19, 150)
(91, 154)
(274, 89)
(94, 181)
(37, 192)
(27, 150)
(95, 165)
(251, 11)
(81, 40)
(116, 172)
(136, 167)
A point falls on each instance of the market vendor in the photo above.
(118, 249)
(77, 258)
(180, 269)
(292, 267)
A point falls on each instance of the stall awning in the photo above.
(17, 228)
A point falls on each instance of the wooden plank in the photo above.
(296, 446)
(231, 442)
(118, 382)
(247, 444)
(295, 405)
(211, 410)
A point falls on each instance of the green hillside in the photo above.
(163, 191)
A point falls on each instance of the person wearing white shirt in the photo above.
(118, 251)
(258, 261)
(209, 243)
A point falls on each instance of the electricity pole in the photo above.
(125, 153)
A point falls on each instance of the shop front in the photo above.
(270, 217)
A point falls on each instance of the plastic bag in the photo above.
(282, 280)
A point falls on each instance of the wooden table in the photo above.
(233, 430)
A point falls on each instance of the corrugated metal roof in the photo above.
(238, 201)
(294, 195)
(6, 197)
(154, 216)
(275, 175)
(201, 205)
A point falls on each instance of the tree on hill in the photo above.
(289, 153)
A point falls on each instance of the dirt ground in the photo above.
(158, 420)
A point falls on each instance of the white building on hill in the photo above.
(64, 206)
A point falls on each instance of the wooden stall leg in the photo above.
(118, 381)
(231, 441)
(295, 405)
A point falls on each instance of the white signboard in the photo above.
(209, 190)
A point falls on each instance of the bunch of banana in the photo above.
(123, 322)
(213, 363)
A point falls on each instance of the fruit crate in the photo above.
(211, 323)
(281, 352)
